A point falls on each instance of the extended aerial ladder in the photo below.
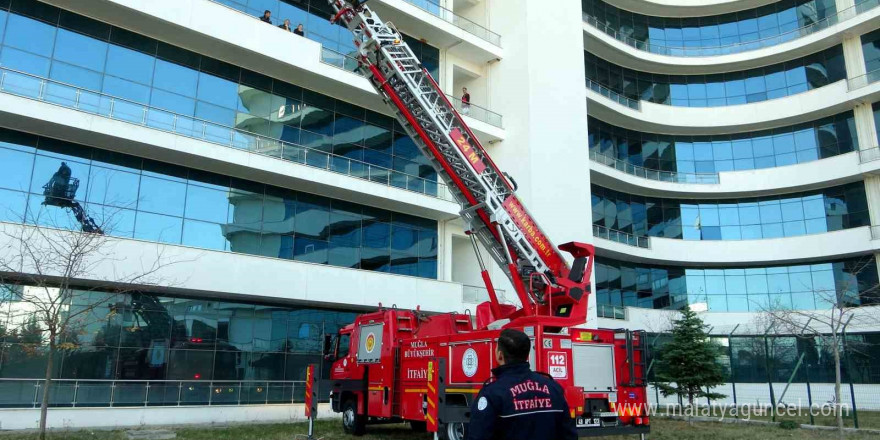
(61, 191)
(550, 292)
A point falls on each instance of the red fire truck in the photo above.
(397, 365)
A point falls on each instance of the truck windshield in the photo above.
(342, 348)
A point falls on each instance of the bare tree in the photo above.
(58, 271)
(846, 308)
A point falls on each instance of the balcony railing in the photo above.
(457, 20)
(862, 80)
(611, 311)
(869, 155)
(646, 173)
(69, 96)
(621, 237)
(702, 51)
(477, 112)
(76, 393)
(612, 95)
(427, 6)
(479, 294)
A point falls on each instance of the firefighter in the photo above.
(518, 403)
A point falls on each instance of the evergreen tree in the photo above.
(688, 365)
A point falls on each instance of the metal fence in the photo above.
(75, 393)
(702, 51)
(647, 173)
(863, 80)
(69, 96)
(614, 96)
(626, 238)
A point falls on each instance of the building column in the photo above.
(539, 86)
(866, 129)
(844, 4)
(853, 56)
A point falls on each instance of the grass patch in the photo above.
(662, 429)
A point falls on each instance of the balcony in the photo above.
(72, 97)
(457, 20)
(613, 96)
(863, 80)
(661, 176)
(474, 111)
(704, 51)
(639, 241)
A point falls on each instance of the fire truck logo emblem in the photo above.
(370, 343)
(482, 403)
(469, 362)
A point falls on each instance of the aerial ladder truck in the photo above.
(396, 365)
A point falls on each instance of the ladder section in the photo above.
(490, 208)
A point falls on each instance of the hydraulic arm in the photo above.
(547, 287)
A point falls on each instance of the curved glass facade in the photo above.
(151, 337)
(831, 209)
(754, 85)
(156, 201)
(782, 146)
(76, 50)
(679, 36)
(801, 287)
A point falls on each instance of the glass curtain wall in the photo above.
(773, 20)
(143, 336)
(69, 48)
(155, 201)
(744, 289)
(723, 89)
(831, 209)
(778, 147)
(750, 360)
(871, 50)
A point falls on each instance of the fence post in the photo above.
(732, 370)
(809, 395)
(852, 391)
(769, 379)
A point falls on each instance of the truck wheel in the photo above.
(452, 431)
(418, 426)
(352, 422)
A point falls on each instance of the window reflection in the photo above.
(833, 209)
(755, 85)
(161, 202)
(737, 290)
(182, 86)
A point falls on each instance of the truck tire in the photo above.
(352, 422)
(453, 431)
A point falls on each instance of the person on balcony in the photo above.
(465, 101)
(267, 16)
(299, 30)
(286, 25)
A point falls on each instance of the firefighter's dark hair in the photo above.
(514, 346)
